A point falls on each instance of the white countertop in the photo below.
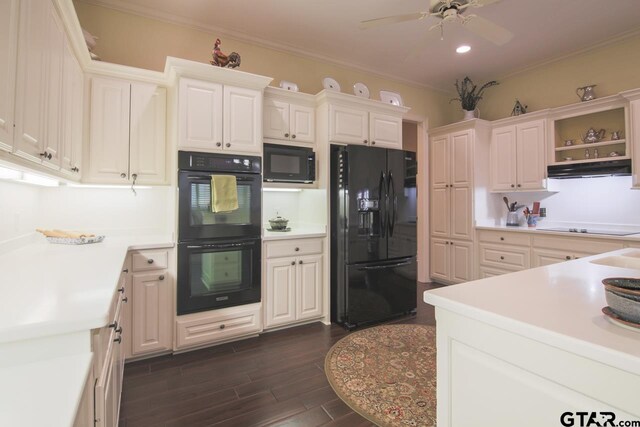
(49, 289)
(525, 229)
(558, 304)
(299, 231)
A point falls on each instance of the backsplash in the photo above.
(607, 200)
(299, 207)
(20, 209)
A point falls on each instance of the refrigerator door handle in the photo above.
(382, 191)
(394, 201)
(380, 267)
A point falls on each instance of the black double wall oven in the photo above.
(219, 253)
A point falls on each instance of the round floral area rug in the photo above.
(387, 374)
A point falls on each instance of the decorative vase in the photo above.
(469, 114)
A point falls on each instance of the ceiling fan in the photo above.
(452, 11)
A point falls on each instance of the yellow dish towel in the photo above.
(224, 193)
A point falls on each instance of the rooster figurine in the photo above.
(221, 60)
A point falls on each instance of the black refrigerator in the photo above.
(373, 234)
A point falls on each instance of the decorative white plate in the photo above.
(361, 90)
(289, 86)
(74, 241)
(330, 84)
(392, 98)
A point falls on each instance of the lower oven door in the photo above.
(218, 274)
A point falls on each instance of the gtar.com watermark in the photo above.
(594, 419)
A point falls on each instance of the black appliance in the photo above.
(283, 163)
(590, 170)
(373, 234)
(219, 254)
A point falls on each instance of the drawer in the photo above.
(505, 237)
(513, 258)
(218, 325)
(577, 244)
(486, 272)
(286, 248)
(150, 260)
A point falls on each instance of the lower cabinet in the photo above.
(554, 249)
(151, 319)
(294, 284)
(451, 260)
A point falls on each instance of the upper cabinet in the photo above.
(72, 113)
(127, 132)
(353, 120)
(8, 49)
(518, 157)
(289, 116)
(213, 116)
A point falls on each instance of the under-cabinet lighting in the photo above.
(283, 190)
(463, 49)
(14, 175)
(109, 186)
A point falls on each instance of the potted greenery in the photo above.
(469, 95)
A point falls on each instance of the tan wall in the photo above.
(145, 43)
(614, 68)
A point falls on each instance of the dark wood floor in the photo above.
(274, 379)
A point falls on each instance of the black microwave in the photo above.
(283, 163)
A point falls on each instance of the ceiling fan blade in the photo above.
(392, 20)
(488, 30)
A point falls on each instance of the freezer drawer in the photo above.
(378, 291)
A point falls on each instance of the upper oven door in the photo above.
(288, 164)
(197, 221)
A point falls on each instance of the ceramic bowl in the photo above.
(622, 282)
(278, 223)
(625, 306)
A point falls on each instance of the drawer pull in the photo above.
(121, 290)
(365, 141)
(222, 326)
(567, 257)
(114, 325)
(218, 144)
(286, 135)
(150, 261)
(501, 257)
(293, 136)
(502, 238)
(118, 340)
(293, 263)
(300, 262)
(125, 300)
(297, 249)
(119, 329)
(161, 277)
(126, 270)
(228, 144)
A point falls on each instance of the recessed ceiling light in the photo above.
(463, 49)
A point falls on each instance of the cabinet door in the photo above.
(105, 393)
(54, 66)
(275, 121)
(440, 212)
(531, 158)
(461, 158)
(109, 132)
(461, 213)
(385, 131)
(439, 259)
(73, 88)
(151, 321)
(542, 257)
(461, 261)
(440, 165)
(309, 287)
(302, 123)
(8, 50)
(199, 115)
(634, 116)
(503, 159)
(31, 80)
(348, 125)
(281, 298)
(242, 129)
(147, 135)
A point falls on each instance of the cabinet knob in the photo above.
(75, 169)
(150, 261)
(300, 262)
(373, 143)
(512, 185)
(228, 144)
(293, 263)
(123, 175)
(46, 155)
(297, 249)
(125, 300)
(121, 290)
(161, 277)
(286, 135)
(519, 185)
(113, 325)
(293, 137)
(501, 257)
(502, 238)
(119, 329)
(218, 144)
(222, 326)
(365, 141)
(568, 257)
(118, 340)
(126, 270)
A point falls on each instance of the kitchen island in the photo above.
(527, 347)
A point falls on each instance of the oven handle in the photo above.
(380, 267)
(205, 177)
(222, 246)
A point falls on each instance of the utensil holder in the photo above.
(513, 219)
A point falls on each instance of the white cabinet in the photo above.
(451, 261)
(151, 319)
(356, 126)
(288, 121)
(213, 116)
(8, 49)
(634, 115)
(72, 113)
(518, 157)
(294, 283)
(127, 136)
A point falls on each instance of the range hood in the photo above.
(590, 170)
